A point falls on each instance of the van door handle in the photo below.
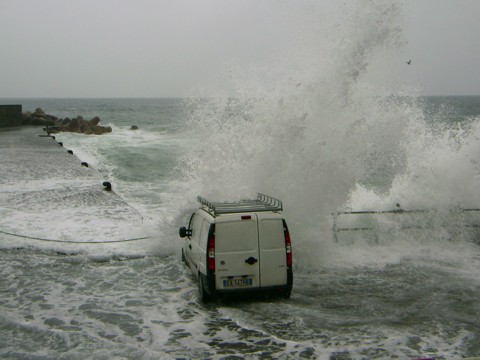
(251, 260)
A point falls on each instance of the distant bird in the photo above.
(409, 62)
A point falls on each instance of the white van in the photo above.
(239, 247)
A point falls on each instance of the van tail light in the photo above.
(288, 244)
(211, 252)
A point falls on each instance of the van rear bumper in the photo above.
(280, 290)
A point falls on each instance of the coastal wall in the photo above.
(11, 115)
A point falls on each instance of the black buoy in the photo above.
(84, 164)
(70, 152)
(60, 143)
(399, 209)
(107, 185)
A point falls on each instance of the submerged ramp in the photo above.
(49, 199)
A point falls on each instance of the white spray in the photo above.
(317, 136)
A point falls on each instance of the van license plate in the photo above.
(237, 282)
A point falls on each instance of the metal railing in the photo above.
(336, 229)
(261, 203)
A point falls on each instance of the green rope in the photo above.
(74, 242)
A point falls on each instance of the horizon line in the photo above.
(192, 97)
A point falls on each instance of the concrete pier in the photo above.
(47, 194)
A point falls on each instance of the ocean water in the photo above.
(319, 139)
(407, 294)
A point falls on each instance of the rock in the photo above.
(73, 126)
(36, 121)
(53, 124)
(51, 117)
(54, 129)
(94, 121)
(39, 112)
(98, 130)
(85, 127)
(39, 118)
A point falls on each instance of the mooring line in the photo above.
(75, 242)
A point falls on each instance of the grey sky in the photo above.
(444, 44)
(161, 48)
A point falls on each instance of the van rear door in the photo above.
(236, 252)
(273, 261)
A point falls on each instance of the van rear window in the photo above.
(271, 232)
(236, 236)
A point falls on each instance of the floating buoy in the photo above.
(107, 185)
(70, 152)
(84, 164)
(60, 143)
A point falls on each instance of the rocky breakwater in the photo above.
(54, 124)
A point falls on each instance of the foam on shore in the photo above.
(50, 201)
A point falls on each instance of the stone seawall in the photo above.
(11, 115)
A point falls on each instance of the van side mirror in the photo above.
(183, 231)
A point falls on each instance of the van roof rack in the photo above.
(261, 203)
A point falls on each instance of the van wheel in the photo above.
(201, 290)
